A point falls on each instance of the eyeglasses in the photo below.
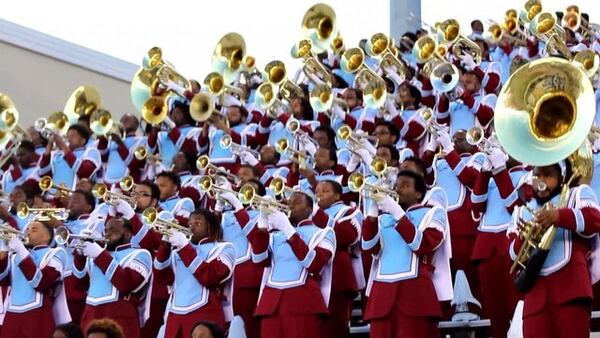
(143, 194)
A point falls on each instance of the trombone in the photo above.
(282, 147)
(7, 232)
(373, 86)
(163, 226)
(46, 184)
(62, 236)
(279, 187)
(226, 142)
(100, 191)
(248, 196)
(375, 191)
(203, 163)
(42, 214)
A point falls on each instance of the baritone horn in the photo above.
(382, 46)
(202, 108)
(217, 87)
(165, 227)
(101, 122)
(322, 99)
(248, 196)
(588, 60)
(277, 75)
(312, 67)
(62, 237)
(448, 32)
(9, 115)
(228, 56)
(373, 86)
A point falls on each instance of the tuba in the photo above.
(319, 26)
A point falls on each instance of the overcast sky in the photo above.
(187, 31)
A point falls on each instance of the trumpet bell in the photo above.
(45, 183)
(202, 107)
(58, 122)
(377, 44)
(155, 110)
(319, 25)
(205, 183)
(140, 153)
(475, 135)
(246, 194)
(321, 97)
(424, 49)
(22, 210)
(9, 115)
(228, 56)
(225, 142)
(444, 77)
(281, 145)
(277, 185)
(101, 122)
(544, 111)
(588, 60)
(356, 182)
(99, 190)
(542, 24)
(83, 101)
(275, 72)
(571, 20)
(215, 83)
(149, 215)
(202, 162)
(127, 183)
(352, 60)
(378, 166)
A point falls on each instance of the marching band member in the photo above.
(169, 184)
(118, 277)
(8, 213)
(559, 302)
(297, 257)
(36, 302)
(24, 171)
(405, 240)
(199, 269)
(70, 162)
(347, 276)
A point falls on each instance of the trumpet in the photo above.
(279, 187)
(42, 214)
(226, 142)
(347, 134)
(56, 123)
(7, 232)
(100, 191)
(207, 185)
(373, 86)
(46, 184)
(282, 147)
(127, 183)
(203, 163)
(375, 191)
(378, 166)
(248, 196)
(163, 226)
(432, 126)
(142, 153)
(62, 236)
(476, 137)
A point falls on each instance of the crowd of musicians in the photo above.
(268, 217)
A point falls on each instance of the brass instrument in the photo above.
(248, 196)
(319, 25)
(62, 237)
(226, 142)
(378, 166)
(279, 187)
(266, 98)
(543, 111)
(56, 123)
(430, 53)
(448, 32)
(203, 163)
(337, 45)
(142, 153)
(322, 99)
(571, 18)
(127, 183)
(202, 108)
(282, 147)
(312, 66)
(208, 185)
(9, 115)
(101, 122)
(293, 126)
(249, 65)
(347, 134)
(217, 87)
(382, 46)
(588, 60)
(163, 226)
(42, 214)
(46, 184)
(476, 137)
(276, 74)
(445, 78)
(373, 86)
(7, 232)
(431, 124)
(228, 56)
(100, 191)
(544, 26)
(83, 102)
(376, 191)
(530, 10)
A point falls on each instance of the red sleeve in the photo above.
(345, 234)
(484, 114)
(351, 121)
(174, 135)
(505, 188)
(151, 240)
(152, 138)
(398, 122)
(164, 252)
(45, 160)
(78, 260)
(369, 231)
(49, 274)
(70, 158)
(209, 274)
(242, 217)
(124, 279)
(480, 189)
(468, 175)
(468, 99)
(3, 266)
(123, 151)
(432, 237)
(260, 244)
(300, 249)
(591, 220)
(320, 218)
(86, 169)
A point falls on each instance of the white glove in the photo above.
(338, 112)
(392, 74)
(16, 245)
(178, 239)
(445, 141)
(365, 155)
(353, 163)
(373, 210)
(4, 246)
(223, 182)
(249, 159)
(262, 223)
(229, 100)
(233, 200)
(125, 209)
(279, 221)
(467, 62)
(390, 105)
(91, 249)
(497, 158)
(487, 165)
(219, 205)
(432, 144)
(306, 145)
(369, 146)
(388, 205)
(315, 79)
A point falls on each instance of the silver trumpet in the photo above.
(203, 163)
(62, 237)
(100, 191)
(226, 142)
(7, 232)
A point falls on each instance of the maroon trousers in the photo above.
(291, 325)
(123, 312)
(570, 320)
(156, 319)
(399, 325)
(340, 309)
(244, 305)
(37, 323)
(181, 326)
(498, 294)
